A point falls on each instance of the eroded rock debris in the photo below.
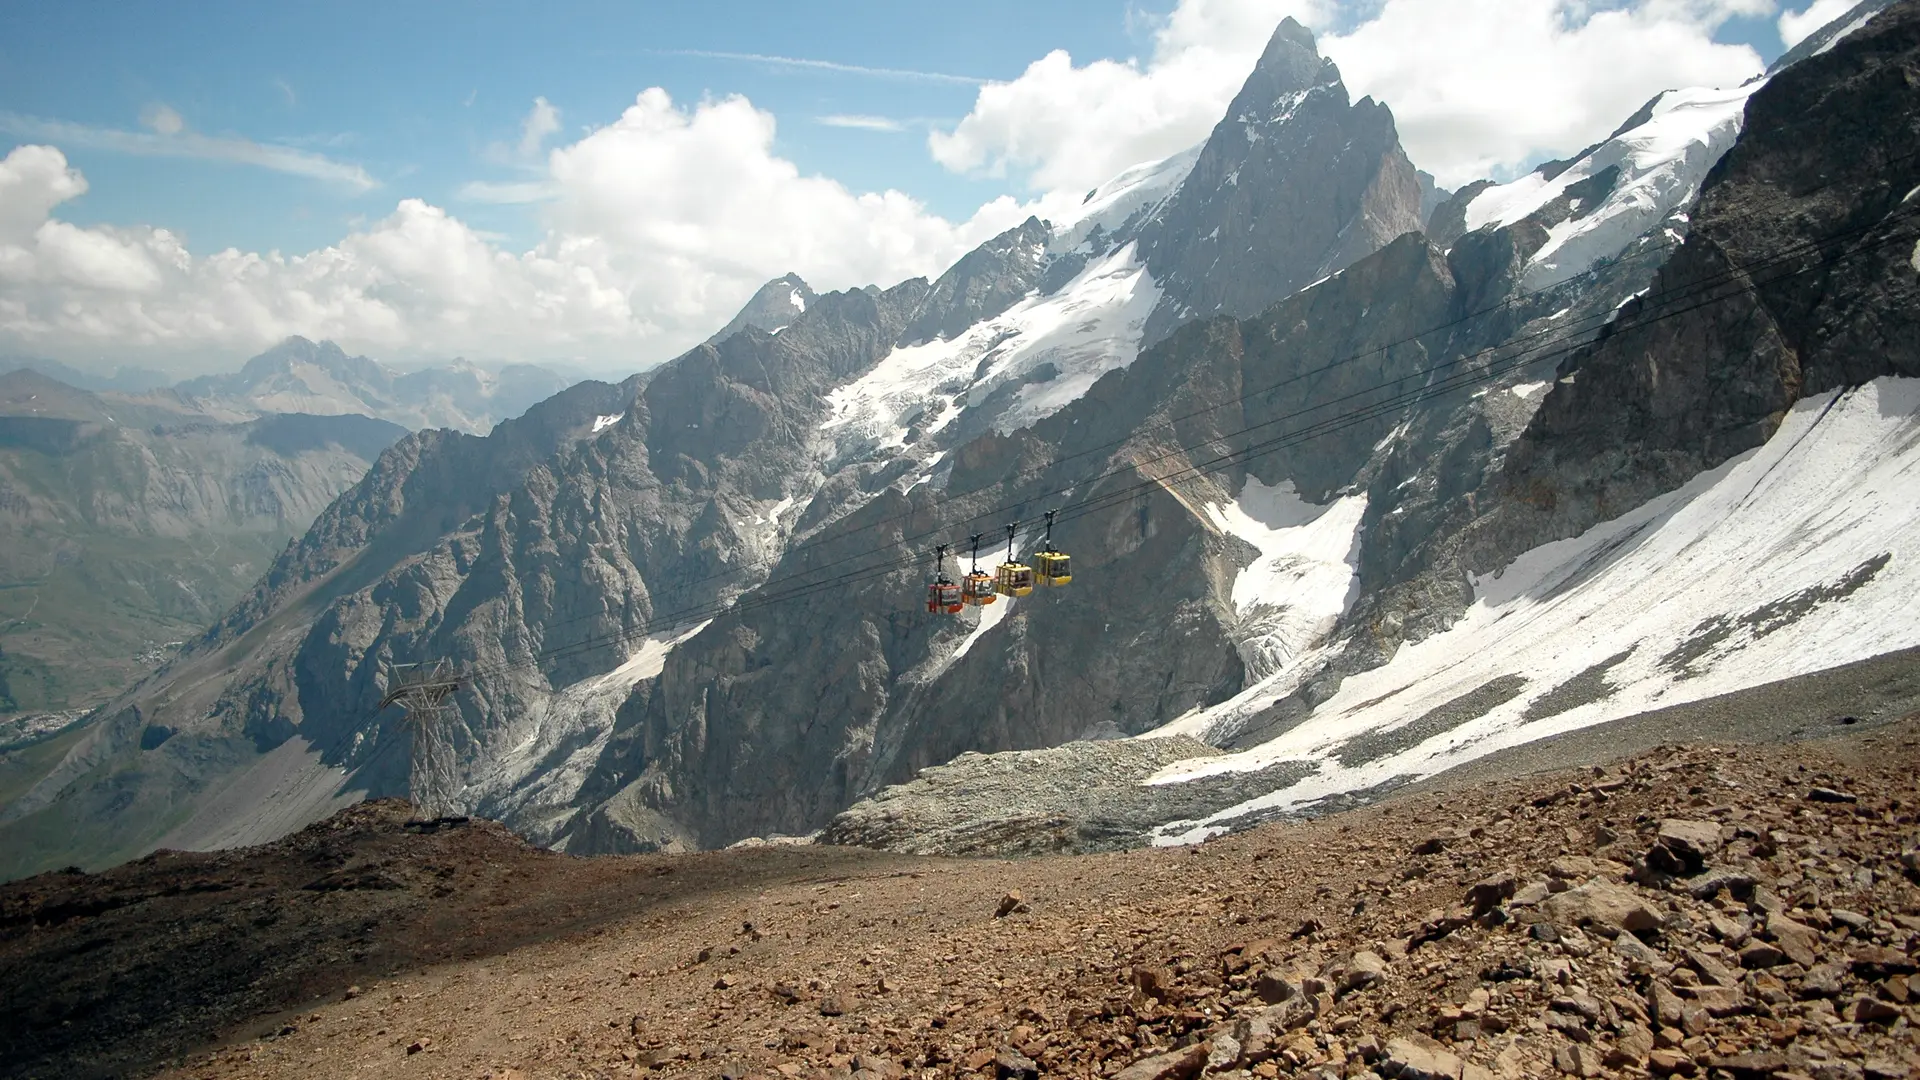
(1694, 911)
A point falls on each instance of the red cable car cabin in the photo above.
(943, 593)
(943, 597)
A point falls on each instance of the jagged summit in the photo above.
(1295, 183)
(985, 282)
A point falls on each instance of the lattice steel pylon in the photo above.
(425, 691)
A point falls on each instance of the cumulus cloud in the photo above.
(1477, 88)
(657, 227)
(1796, 25)
(168, 137)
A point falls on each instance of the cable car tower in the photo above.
(425, 691)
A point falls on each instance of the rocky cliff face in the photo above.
(775, 305)
(1703, 498)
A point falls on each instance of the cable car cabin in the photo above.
(976, 589)
(943, 597)
(1052, 568)
(1014, 579)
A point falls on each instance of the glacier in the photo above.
(1797, 556)
(1661, 163)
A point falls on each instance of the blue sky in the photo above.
(370, 135)
(416, 93)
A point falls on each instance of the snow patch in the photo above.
(1795, 557)
(798, 301)
(1661, 162)
(1526, 390)
(1848, 29)
(772, 516)
(601, 423)
(1285, 600)
(989, 617)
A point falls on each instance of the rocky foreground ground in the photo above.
(1704, 911)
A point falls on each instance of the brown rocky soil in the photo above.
(1694, 911)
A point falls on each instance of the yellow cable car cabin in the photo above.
(1014, 579)
(976, 589)
(1052, 569)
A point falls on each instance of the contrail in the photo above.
(830, 65)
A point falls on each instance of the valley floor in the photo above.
(1786, 943)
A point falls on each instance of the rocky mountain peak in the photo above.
(1296, 182)
(1290, 63)
(773, 307)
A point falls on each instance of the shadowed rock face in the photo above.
(1295, 183)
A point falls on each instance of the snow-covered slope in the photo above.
(1047, 350)
(1796, 557)
(1660, 164)
(1108, 206)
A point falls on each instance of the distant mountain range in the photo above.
(319, 378)
(126, 525)
(133, 513)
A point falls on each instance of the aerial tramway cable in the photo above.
(1562, 332)
(1361, 414)
(1786, 252)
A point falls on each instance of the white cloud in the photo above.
(1072, 127)
(1479, 90)
(862, 123)
(658, 226)
(542, 121)
(695, 209)
(1796, 25)
(1476, 87)
(169, 138)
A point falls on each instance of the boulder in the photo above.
(1608, 908)
(1418, 1058)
